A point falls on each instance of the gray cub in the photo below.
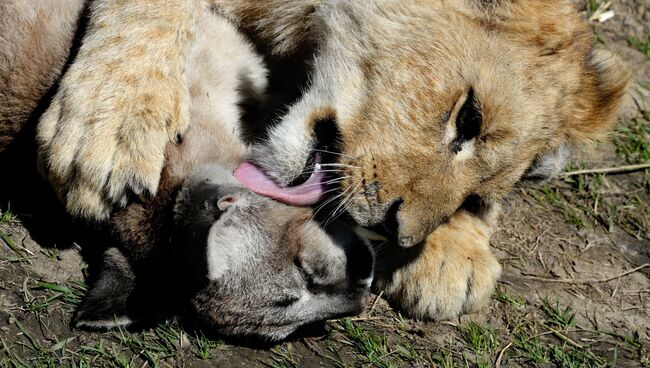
(238, 263)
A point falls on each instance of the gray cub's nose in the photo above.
(208, 192)
(229, 195)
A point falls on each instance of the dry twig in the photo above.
(608, 170)
(374, 304)
(587, 281)
(498, 363)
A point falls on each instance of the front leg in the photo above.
(121, 101)
(453, 273)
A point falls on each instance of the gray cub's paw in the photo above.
(106, 304)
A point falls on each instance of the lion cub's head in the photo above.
(432, 105)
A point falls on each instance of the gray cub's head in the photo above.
(269, 268)
(251, 266)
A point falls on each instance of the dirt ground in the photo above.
(575, 291)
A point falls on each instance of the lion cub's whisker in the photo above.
(360, 157)
(379, 249)
(324, 204)
(333, 181)
(346, 203)
(315, 184)
(340, 209)
(334, 153)
(340, 165)
(330, 190)
(327, 171)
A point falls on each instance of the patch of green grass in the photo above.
(566, 356)
(502, 296)
(7, 217)
(336, 359)
(550, 196)
(482, 340)
(556, 340)
(585, 202)
(531, 348)
(51, 253)
(526, 338)
(633, 140)
(27, 349)
(376, 349)
(645, 361)
(629, 340)
(633, 217)
(39, 354)
(156, 347)
(100, 354)
(556, 316)
(444, 359)
(170, 337)
(642, 44)
(203, 346)
(147, 350)
(31, 344)
(372, 346)
(633, 145)
(71, 293)
(592, 6)
(283, 357)
(6, 238)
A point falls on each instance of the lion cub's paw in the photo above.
(103, 137)
(455, 274)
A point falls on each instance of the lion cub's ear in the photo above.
(106, 304)
(604, 81)
(549, 164)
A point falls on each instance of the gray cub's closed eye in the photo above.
(305, 272)
(285, 302)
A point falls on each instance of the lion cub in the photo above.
(205, 246)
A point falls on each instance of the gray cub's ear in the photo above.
(548, 164)
(105, 305)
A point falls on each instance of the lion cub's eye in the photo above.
(468, 122)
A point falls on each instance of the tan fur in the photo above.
(28, 69)
(454, 273)
(97, 151)
(391, 72)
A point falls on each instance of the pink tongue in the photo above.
(301, 195)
